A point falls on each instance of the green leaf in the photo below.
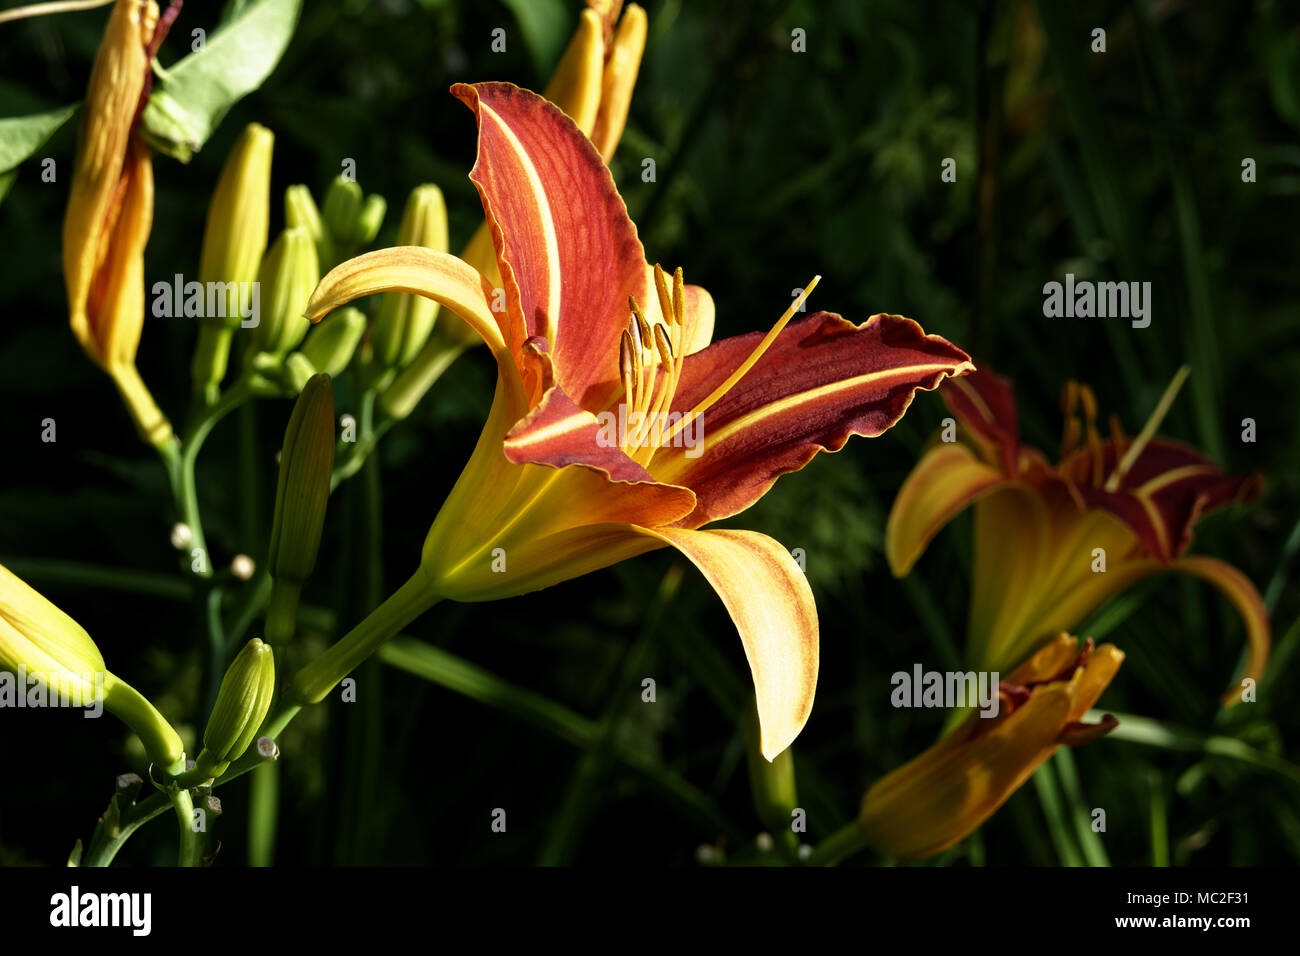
(21, 136)
(196, 93)
(545, 26)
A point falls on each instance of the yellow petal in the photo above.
(772, 606)
(1236, 587)
(443, 278)
(944, 482)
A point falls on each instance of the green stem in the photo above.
(263, 816)
(190, 849)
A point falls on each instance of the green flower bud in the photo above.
(302, 492)
(370, 219)
(289, 274)
(330, 346)
(242, 704)
(343, 202)
(404, 321)
(300, 210)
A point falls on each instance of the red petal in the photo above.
(985, 404)
(1167, 490)
(568, 253)
(822, 380)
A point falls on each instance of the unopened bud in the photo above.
(302, 492)
(242, 704)
(405, 321)
(329, 347)
(289, 274)
(300, 210)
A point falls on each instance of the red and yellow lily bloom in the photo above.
(939, 798)
(616, 428)
(1052, 543)
(110, 209)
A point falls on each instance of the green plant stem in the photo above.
(190, 850)
(263, 814)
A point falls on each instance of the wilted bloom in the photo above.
(40, 639)
(234, 241)
(110, 211)
(616, 428)
(1054, 542)
(935, 800)
(242, 704)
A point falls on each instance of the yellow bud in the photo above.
(576, 84)
(622, 63)
(238, 216)
(242, 704)
(330, 346)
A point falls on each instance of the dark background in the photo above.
(772, 166)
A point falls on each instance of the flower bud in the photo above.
(302, 492)
(622, 63)
(300, 210)
(242, 704)
(289, 274)
(370, 219)
(342, 207)
(235, 237)
(329, 347)
(404, 321)
(234, 241)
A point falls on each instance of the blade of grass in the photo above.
(1049, 798)
(1094, 851)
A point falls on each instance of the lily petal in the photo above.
(558, 432)
(946, 480)
(1166, 491)
(986, 405)
(822, 380)
(1236, 587)
(772, 606)
(569, 255)
(435, 275)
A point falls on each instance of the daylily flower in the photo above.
(940, 797)
(110, 209)
(616, 428)
(1038, 527)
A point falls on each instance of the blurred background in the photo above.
(771, 165)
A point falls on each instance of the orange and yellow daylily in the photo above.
(940, 797)
(110, 209)
(616, 427)
(1043, 531)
